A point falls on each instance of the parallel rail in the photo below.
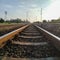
(31, 41)
(55, 40)
(10, 35)
(51, 37)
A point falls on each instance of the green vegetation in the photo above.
(44, 21)
(13, 21)
(1, 20)
(52, 21)
(56, 20)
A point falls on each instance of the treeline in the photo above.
(52, 21)
(13, 21)
(56, 20)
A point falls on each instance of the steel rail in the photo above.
(10, 35)
(55, 40)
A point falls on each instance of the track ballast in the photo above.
(30, 43)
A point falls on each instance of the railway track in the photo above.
(28, 44)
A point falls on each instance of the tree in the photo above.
(15, 20)
(44, 21)
(1, 20)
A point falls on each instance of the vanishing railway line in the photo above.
(29, 43)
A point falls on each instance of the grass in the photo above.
(6, 26)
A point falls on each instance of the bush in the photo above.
(1, 20)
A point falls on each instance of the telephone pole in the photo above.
(27, 15)
(41, 14)
(5, 15)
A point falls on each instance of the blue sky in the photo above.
(20, 8)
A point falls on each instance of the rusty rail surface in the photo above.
(55, 40)
(10, 35)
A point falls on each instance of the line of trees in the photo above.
(52, 21)
(56, 20)
(26, 21)
(13, 21)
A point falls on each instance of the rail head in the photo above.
(55, 40)
(10, 35)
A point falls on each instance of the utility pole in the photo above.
(36, 18)
(27, 15)
(41, 14)
(5, 15)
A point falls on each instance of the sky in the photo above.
(30, 9)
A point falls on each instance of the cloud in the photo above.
(22, 2)
(21, 6)
(53, 0)
(33, 5)
(8, 6)
(35, 9)
(53, 11)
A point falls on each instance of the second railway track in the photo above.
(30, 43)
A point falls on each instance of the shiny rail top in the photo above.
(10, 35)
(55, 40)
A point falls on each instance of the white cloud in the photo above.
(8, 6)
(33, 5)
(53, 0)
(53, 11)
(21, 6)
(22, 2)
